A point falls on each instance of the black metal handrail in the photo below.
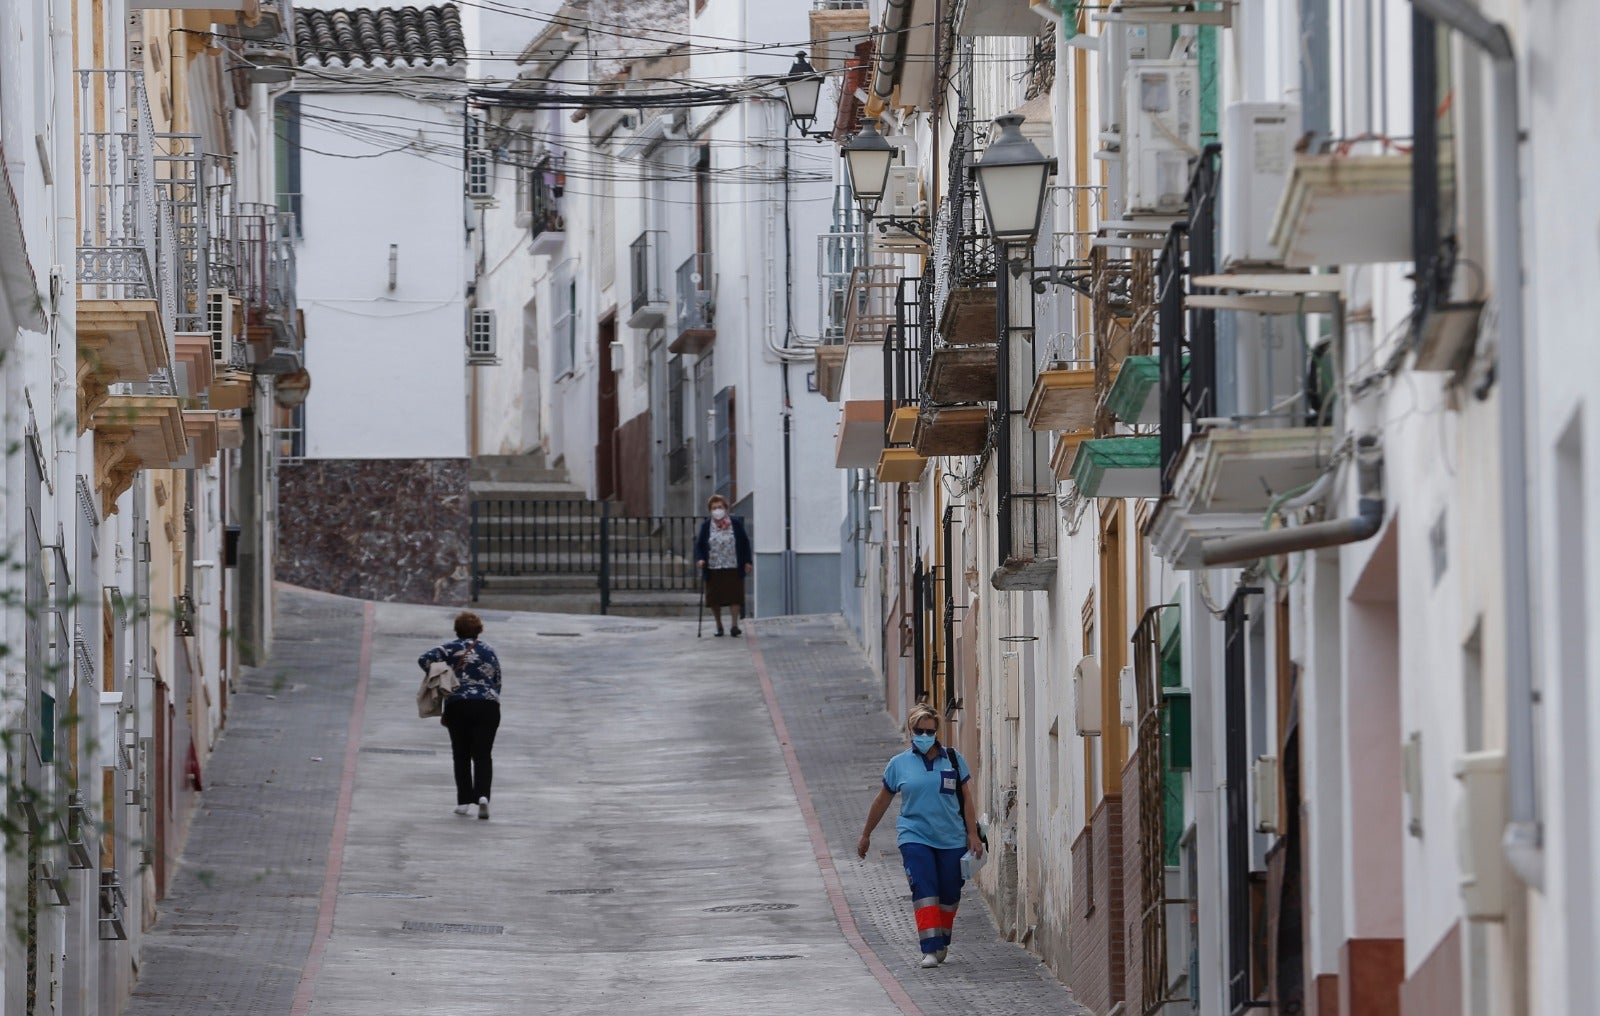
(1187, 340)
(518, 538)
(905, 349)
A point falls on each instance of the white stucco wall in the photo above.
(386, 363)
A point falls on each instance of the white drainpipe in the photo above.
(1523, 837)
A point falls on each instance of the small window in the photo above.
(480, 340)
(480, 179)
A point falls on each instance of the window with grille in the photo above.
(480, 337)
(480, 180)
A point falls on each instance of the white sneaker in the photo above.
(929, 960)
(483, 807)
(463, 809)
(941, 954)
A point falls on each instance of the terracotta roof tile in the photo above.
(380, 36)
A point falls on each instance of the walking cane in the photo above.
(700, 620)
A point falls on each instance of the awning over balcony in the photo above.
(1118, 467)
(134, 432)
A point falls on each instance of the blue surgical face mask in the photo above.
(922, 742)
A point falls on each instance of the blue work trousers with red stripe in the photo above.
(935, 877)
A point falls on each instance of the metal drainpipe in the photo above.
(1249, 547)
(1524, 831)
(894, 23)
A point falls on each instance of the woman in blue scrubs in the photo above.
(935, 827)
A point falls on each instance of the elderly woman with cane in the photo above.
(936, 827)
(722, 553)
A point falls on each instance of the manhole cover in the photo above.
(750, 908)
(579, 892)
(751, 959)
(453, 929)
(626, 629)
(558, 634)
(384, 894)
(399, 751)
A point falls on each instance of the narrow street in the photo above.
(648, 850)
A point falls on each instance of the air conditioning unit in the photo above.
(1161, 134)
(903, 200)
(1258, 140)
(220, 323)
(480, 164)
(1264, 789)
(481, 336)
(1129, 697)
(1119, 44)
(1086, 696)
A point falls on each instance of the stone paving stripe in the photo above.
(341, 821)
(819, 845)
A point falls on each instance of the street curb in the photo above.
(819, 846)
(303, 995)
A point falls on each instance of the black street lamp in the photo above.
(1012, 175)
(869, 157)
(802, 90)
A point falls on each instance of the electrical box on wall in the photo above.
(1161, 134)
(1086, 696)
(1481, 822)
(1129, 697)
(1265, 787)
(1258, 140)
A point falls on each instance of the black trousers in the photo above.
(472, 724)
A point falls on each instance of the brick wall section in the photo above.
(1133, 885)
(1097, 935)
(376, 529)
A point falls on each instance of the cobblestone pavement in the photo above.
(833, 707)
(234, 931)
(646, 854)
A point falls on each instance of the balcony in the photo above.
(648, 280)
(836, 27)
(1118, 467)
(1133, 399)
(545, 220)
(266, 277)
(1063, 398)
(125, 304)
(231, 389)
(134, 432)
(194, 369)
(1345, 209)
(202, 431)
(900, 465)
(869, 312)
(697, 305)
(1227, 479)
(950, 430)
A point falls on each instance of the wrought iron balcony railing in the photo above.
(645, 270)
(182, 242)
(117, 238)
(221, 217)
(696, 294)
(266, 269)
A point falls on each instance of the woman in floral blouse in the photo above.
(472, 712)
(722, 553)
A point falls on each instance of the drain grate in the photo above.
(399, 751)
(750, 908)
(751, 959)
(579, 892)
(439, 927)
(384, 894)
(626, 629)
(558, 634)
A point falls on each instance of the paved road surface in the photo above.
(648, 851)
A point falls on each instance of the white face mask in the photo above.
(719, 513)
